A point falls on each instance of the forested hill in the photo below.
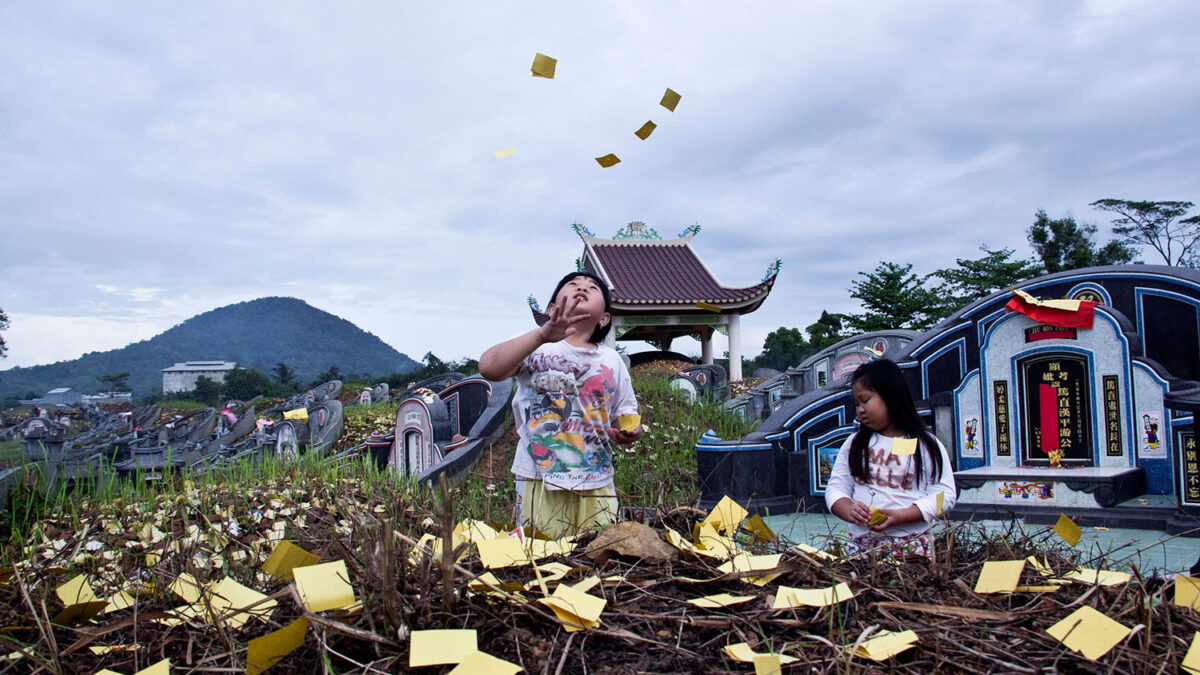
(256, 334)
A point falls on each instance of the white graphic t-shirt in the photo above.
(566, 397)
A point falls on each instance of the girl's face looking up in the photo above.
(584, 291)
(871, 410)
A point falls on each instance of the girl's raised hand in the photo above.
(562, 322)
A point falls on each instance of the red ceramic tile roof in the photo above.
(654, 272)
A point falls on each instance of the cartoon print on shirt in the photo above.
(567, 418)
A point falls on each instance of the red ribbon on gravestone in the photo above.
(1061, 313)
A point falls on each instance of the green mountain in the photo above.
(256, 334)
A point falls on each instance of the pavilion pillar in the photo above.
(735, 347)
(706, 337)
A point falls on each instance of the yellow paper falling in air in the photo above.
(510, 150)
(742, 652)
(720, 600)
(999, 576)
(767, 664)
(504, 552)
(482, 663)
(877, 516)
(670, 99)
(1191, 660)
(708, 307)
(904, 446)
(285, 558)
(647, 129)
(441, 647)
(1085, 575)
(297, 414)
(573, 606)
(324, 586)
(941, 499)
(1187, 591)
(1088, 632)
(229, 595)
(886, 644)
(758, 527)
(628, 422)
(787, 598)
(543, 66)
(608, 160)
(726, 516)
(264, 652)
(1067, 529)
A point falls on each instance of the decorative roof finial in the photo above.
(773, 269)
(636, 230)
(690, 230)
(581, 230)
(533, 304)
(579, 264)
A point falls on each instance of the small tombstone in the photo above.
(379, 392)
(422, 429)
(364, 397)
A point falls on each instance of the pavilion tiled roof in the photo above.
(665, 272)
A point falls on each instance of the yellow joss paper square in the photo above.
(1088, 632)
(441, 647)
(264, 652)
(575, 607)
(1086, 575)
(297, 414)
(509, 151)
(767, 664)
(741, 651)
(758, 527)
(720, 600)
(1191, 660)
(323, 587)
(502, 552)
(1067, 529)
(904, 446)
(608, 160)
(543, 66)
(670, 99)
(877, 516)
(726, 516)
(628, 422)
(647, 129)
(1187, 591)
(481, 663)
(285, 558)
(886, 644)
(76, 591)
(999, 576)
(161, 668)
(186, 587)
(229, 595)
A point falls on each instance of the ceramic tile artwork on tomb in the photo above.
(1041, 411)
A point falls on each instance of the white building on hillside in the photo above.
(183, 376)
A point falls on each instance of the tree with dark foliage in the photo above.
(1157, 225)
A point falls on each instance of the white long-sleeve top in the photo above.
(893, 484)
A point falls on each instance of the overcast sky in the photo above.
(158, 160)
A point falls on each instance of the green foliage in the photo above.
(893, 297)
(246, 383)
(783, 347)
(826, 331)
(3, 327)
(114, 382)
(207, 391)
(1062, 244)
(286, 376)
(432, 366)
(974, 279)
(1157, 225)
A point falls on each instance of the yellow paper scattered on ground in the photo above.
(886, 644)
(543, 66)
(904, 446)
(608, 160)
(481, 663)
(186, 587)
(285, 558)
(504, 552)
(742, 652)
(999, 576)
(1088, 632)
(1036, 589)
(1187, 591)
(758, 527)
(476, 531)
(767, 664)
(670, 99)
(297, 414)
(441, 647)
(814, 552)
(118, 601)
(109, 649)
(1067, 529)
(264, 652)
(1087, 575)
(1191, 660)
(323, 587)
(161, 668)
(721, 600)
(587, 584)
(575, 607)
(507, 152)
(726, 516)
(647, 129)
(678, 541)
(542, 548)
(81, 603)
(787, 597)
(628, 422)
(744, 562)
(229, 595)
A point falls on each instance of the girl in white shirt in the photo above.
(872, 472)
